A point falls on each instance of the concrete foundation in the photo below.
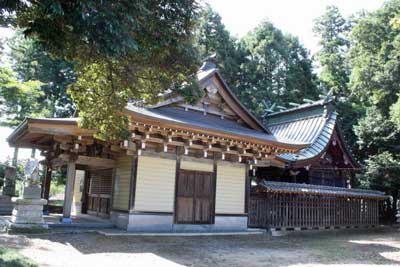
(159, 223)
(119, 219)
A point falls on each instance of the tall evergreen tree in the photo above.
(214, 38)
(375, 56)
(333, 33)
(332, 30)
(277, 68)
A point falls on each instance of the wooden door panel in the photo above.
(195, 197)
(202, 211)
(186, 184)
(185, 208)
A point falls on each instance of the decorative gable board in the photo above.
(218, 101)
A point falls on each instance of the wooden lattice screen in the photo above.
(101, 182)
(281, 210)
(99, 198)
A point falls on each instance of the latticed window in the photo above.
(100, 182)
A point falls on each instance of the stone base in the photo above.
(6, 205)
(164, 223)
(28, 213)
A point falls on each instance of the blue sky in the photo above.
(239, 17)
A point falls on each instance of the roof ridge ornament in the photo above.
(210, 62)
(269, 108)
(328, 97)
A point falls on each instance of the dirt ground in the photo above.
(334, 248)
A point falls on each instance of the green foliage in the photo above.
(332, 29)
(374, 56)
(382, 172)
(395, 114)
(19, 99)
(32, 62)
(376, 133)
(214, 38)
(278, 68)
(350, 111)
(123, 50)
(11, 258)
(190, 90)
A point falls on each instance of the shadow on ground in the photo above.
(345, 247)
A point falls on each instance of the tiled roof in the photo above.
(209, 121)
(282, 187)
(310, 123)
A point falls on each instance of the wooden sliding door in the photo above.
(194, 197)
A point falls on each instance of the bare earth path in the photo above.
(334, 248)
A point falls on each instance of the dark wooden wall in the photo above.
(281, 210)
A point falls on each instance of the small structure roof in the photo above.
(39, 132)
(295, 188)
(312, 123)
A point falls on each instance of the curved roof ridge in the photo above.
(321, 102)
(319, 143)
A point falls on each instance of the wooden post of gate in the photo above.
(69, 191)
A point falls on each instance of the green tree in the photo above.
(123, 50)
(395, 113)
(374, 57)
(214, 38)
(19, 99)
(332, 29)
(277, 68)
(382, 172)
(32, 62)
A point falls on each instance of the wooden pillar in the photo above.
(69, 192)
(247, 189)
(132, 190)
(46, 188)
(215, 170)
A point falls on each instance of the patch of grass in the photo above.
(11, 258)
(56, 202)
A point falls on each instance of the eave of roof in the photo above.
(157, 116)
(24, 127)
(295, 188)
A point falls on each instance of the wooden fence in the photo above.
(282, 210)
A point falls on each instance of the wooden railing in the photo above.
(281, 210)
